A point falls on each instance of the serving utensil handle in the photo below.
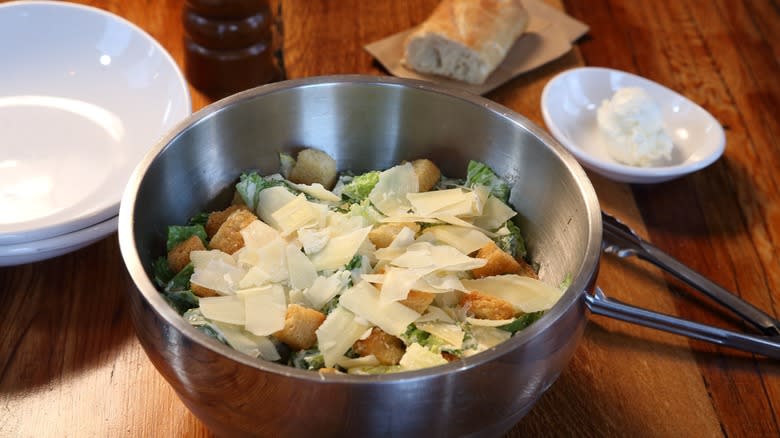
(600, 304)
(622, 241)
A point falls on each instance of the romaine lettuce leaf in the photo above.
(181, 300)
(522, 322)
(180, 281)
(480, 174)
(251, 184)
(360, 186)
(311, 359)
(199, 219)
(180, 233)
(513, 242)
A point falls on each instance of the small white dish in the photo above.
(28, 252)
(569, 104)
(84, 94)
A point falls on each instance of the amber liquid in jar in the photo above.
(228, 45)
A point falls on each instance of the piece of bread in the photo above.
(418, 300)
(228, 237)
(465, 39)
(179, 256)
(300, 327)
(428, 174)
(385, 347)
(485, 306)
(217, 218)
(314, 166)
(498, 262)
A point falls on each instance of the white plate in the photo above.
(569, 104)
(28, 252)
(83, 95)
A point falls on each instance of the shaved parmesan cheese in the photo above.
(265, 309)
(465, 240)
(373, 278)
(340, 250)
(268, 264)
(247, 343)
(406, 218)
(494, 215)
(337, 334)
(433, 313)
(450, 202)
(216, 270)
(296, 296)
(398, 282)
(436, 257)
(417, 255)
(316, 190)
(363, 300)
(444, 282)
(365, 361)
(487, 337)
(389, 253)
(301, 270)
(427, 203)
(313, 240)
(488, 322)
(452, 220)
(404, 238)
(338, 224)
(389, 193)
(450, 333)
(258, 234)
(526, 294)
(323, 289)
(203, 258)
(296, 214)
(270, 200)
(229, 309)
(418, 357)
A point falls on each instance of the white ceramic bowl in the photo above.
(84, 94)
(569, 104)
(28, 252)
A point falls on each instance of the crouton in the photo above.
(179, 256)
(418, 301)
(527, 270)
(217, 218)
(485, 306)
(498, 262)
(449, 357)
(385, 347)
(428, 174)
(203, 291)
(382, 235)
(228, 238)
(300, 326)
(313, 166)
(237, 199)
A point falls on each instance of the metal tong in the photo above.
(622, 241)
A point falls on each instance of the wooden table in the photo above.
(70, 364)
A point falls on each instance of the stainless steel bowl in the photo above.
(364, 123)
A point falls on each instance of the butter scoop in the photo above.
(633, 129)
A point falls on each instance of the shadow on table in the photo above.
(62, 316)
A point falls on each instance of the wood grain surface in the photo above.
(70, 365)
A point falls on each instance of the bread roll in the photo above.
(465, 39)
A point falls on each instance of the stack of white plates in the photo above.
(84, 95)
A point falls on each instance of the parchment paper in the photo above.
(550, 35)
